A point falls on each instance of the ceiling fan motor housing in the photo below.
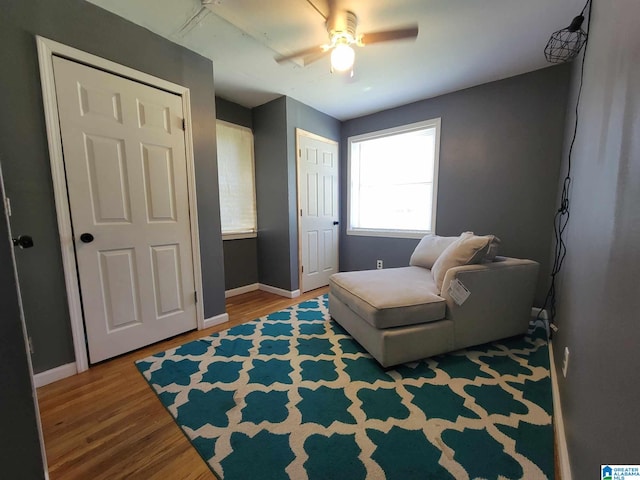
(342, 27)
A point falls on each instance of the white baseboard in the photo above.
(261, 286)
(240, 290)
(217, 320)
(561, 438)
(49, 376)
(280, 291)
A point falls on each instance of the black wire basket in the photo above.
(565, 44)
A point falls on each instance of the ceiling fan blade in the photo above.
(299, 53)
(389, 35)
(314, 57)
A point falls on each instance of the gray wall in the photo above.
(240, 256)
(240, 262)
(23, 146)
(500, 153)
(233, 113)
(274, 130)
(270, 143)
(20, 455)
(599, 292)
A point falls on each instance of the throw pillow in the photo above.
(429, 249)
(492, 250)
(469, 249)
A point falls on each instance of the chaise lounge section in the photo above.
(405, 314)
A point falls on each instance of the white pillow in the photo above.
(429, 249)
(469, 249)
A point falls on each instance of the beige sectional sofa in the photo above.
(405, 314)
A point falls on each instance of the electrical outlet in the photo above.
(565, 362)
(379, 264)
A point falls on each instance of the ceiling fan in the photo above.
(342, 29)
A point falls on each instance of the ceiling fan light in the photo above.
(342, 58)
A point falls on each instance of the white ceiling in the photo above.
(461, 43)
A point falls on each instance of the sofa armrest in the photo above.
(500, 302)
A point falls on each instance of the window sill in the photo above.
(239, 235)
(388, 233)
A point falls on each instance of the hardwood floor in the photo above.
(106, 423)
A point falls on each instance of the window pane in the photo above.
(396, 207)
(403, 158)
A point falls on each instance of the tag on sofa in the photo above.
(458, 292)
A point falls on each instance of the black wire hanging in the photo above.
(565, 44)
(561, 218)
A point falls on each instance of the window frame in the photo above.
(395, 233)
(239, 235)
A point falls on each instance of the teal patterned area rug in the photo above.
(292, 395)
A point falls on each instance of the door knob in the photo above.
(86, 238)
(23, 241)
(336, 223)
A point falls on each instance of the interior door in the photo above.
(22, 443)
(124, 154)
(318, 193)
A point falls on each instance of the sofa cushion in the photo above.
(429, 249)
(390, 297)
(469, 249)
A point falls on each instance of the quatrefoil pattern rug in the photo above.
(292, 395)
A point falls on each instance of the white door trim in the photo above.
(46, 50)
(303, 133)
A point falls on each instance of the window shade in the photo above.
(236, 179)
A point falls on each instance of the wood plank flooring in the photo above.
(107, 423)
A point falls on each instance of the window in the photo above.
(393, 176)
(237, 181)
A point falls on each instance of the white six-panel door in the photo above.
(319, 230)
(124, 154)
